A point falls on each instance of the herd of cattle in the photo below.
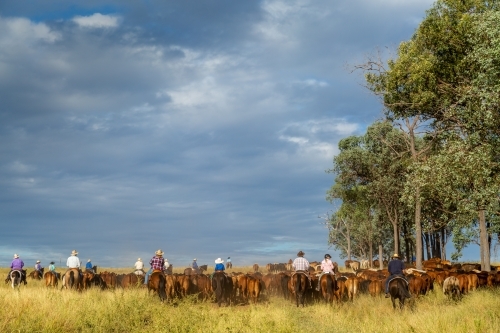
(242, 288)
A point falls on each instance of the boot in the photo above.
(387, 295)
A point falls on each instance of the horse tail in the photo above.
(329, 289)
(162, 287)
(71, 281)
(218, 291)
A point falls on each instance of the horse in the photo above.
(37, 274)
(299, 284)
(88, 278)
(51, 279)
(16, 277)
(72, 279)
(328, 287)
(157, 283)
(221, 287)
(398, 290)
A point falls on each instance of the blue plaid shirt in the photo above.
(157, 263)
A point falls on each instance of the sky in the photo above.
(202, 128)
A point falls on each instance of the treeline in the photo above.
(429, 172)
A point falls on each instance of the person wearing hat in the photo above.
(52, 268)
(166, 267)
(73, 261)
(157, 263)
(327, 267)
(301, 264)
(39, 268)
(16, 265)
(229, 264)
(89, 267)
(139, 267)
(194, 265)
(395, 268)
(219, 267)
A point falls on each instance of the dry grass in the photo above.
(33, 308)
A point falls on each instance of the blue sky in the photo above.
(203, 128)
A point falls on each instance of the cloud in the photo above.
(97, 21)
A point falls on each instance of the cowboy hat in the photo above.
(74, 253)
(38, 261)
(52, 263)
(300, 254)
(16, 256)
(194, 259)
(139, 259)
(219, 261)
(159, 252)
(395, 255)
(88, 260)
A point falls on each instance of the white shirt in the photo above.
(139, 265)
(73, 262)
(167, 265)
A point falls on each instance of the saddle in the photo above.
(399, 277)
(157, 270)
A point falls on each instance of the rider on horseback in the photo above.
(52, 268)
(73, 262)
(89, 267)
(139, 267)
(219, 267)
(327, 267)
(157, 263)
(395, 268)
(16, 265)
(301, 264)
(39, 269)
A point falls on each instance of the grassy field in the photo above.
(33, 308)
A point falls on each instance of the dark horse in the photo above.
(300, 284)
(328, 287)
(16, 277)
(37, 274)
(221, 286)
(398, 289)
(157, 283)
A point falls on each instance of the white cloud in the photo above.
(21, 30)
(20, 167)
(97, 20)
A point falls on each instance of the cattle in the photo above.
(242, 287)
(108, 279)
(376, 287)
(463, 283)
(416, 284)
(364, 264)
(255, 267)
(352, 287)
(451, 287)
(341, 292)
(253, 288)
(355, 265)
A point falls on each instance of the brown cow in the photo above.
(253, 288)
(352, 287)
(255, 267)
(243, 287)
(183, 285)
(463, 283)
(416, 285)
(376, 287)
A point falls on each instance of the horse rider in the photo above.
(229, 264)
(39, 268)
(73, 262)
(301, 264)
(194, 265)
(166, 266)
(395, 268)
(52, 268)
(89, 267)
(219, 267)
(139, 267)
(157, 263)
(327, 267)
(16, 265)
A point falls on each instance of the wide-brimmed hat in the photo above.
(219, 261)
(38, 261)
(194, 259)
(52, 263)
(139, 259)
(16, 256)
(88, 260)
(228, 257)
(74, 253)
(395, 255)
(159, 252)
(300, 254)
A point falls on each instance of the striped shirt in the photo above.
(300, 264)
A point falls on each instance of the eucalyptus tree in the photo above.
(436, 77)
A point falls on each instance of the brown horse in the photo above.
(299, 284)
(398, 289)
(328, 287)
(157, 283)
(72, 279)
(37, 274)
(51, 279)
(222, 286)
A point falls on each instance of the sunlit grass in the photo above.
(34, 308)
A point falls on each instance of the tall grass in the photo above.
(34, 308)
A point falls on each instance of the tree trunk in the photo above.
(428, 245)
(418, 229)
(381, 256)
(483, 238)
